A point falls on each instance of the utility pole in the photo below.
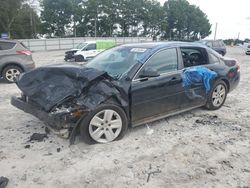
(32, 21)
(215, 32)
(95, 26)
(96, 16)
(238, 36)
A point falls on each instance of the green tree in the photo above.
(9, 10)
(56, 17)
(27, 24)
(185, 21)
(153, 18)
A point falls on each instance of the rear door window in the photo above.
(7, 45)
(193, 56)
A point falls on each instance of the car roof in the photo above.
(156, 46)
(210, 40)
(167, 44)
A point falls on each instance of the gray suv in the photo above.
(15, 58)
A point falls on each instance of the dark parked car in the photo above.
(217, 45)
(128, 85)
(15, 58)
(248, 50)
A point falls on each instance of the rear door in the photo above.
(195, 94)
(157, 96)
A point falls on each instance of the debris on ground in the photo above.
(152, 172)
(3, 182)
(27, 146)
(38, 137)
(226, 163)
(24, 177)
(58, 150)
(211, 170)
(245, 170)
(208, 120)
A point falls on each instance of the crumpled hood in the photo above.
(49, 85)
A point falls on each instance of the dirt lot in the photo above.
(199, 148)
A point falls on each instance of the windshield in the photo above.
(81, 45)
(118, 60)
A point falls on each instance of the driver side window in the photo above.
(163, 61)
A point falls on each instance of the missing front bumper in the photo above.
(56, 125)
(54, 122)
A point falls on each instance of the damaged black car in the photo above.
(126, 86)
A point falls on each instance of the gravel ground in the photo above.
(199, 148)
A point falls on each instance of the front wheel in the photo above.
(217, 96)
(105, 124)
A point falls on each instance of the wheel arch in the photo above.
(227, 83)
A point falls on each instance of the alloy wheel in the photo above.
(218, 95)
(11, 74)
(105, 126)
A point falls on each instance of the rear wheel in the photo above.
(105, 124)
(11, 72)
(217, 96)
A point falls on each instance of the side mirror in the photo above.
(148, 73)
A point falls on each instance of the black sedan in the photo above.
(128, 85)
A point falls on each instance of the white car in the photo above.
(87, 52)
(91, 49)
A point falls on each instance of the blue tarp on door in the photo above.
(198, 75)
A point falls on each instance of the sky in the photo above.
(232, 16)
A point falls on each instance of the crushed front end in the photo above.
(61, 120)
(62, 95)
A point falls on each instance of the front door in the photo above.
(155, 96)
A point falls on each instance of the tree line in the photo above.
(174, 20)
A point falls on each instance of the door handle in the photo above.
(175, 80)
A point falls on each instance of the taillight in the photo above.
(24, 52)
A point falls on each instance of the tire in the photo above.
(79, 58)
(94, 128)
(10, 72)
(217, 95)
